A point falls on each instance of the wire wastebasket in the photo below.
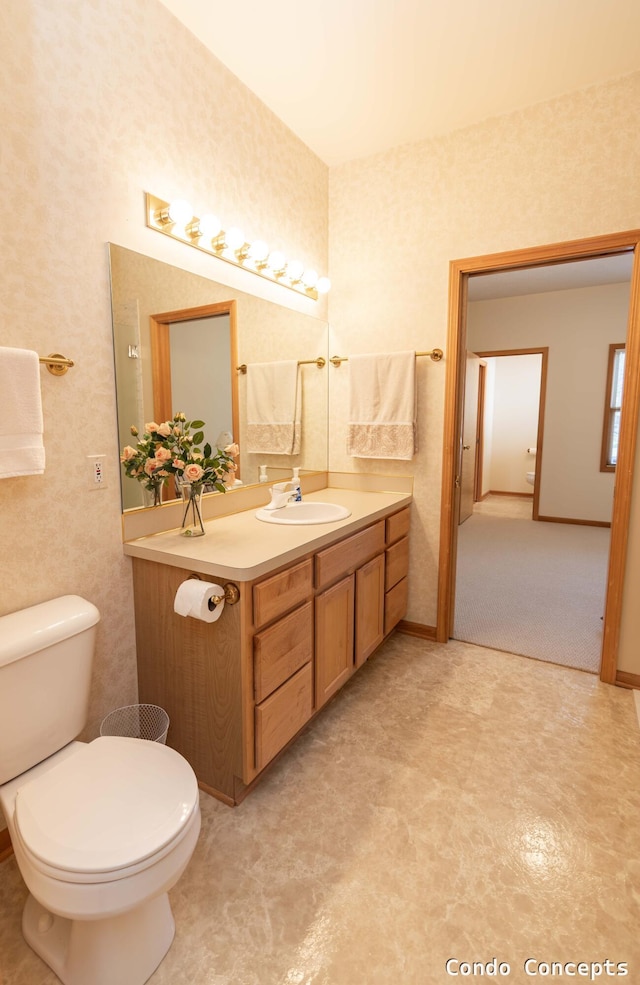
(137, 722)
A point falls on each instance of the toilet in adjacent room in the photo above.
(101, 830)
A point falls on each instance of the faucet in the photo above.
(281, 494)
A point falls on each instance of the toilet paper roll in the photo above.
(531, 451)
(193, 598)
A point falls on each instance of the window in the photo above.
(613, 403)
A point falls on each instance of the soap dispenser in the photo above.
(263, 477)
(297, 498)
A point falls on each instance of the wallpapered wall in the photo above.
(560, 170)
(100, 102)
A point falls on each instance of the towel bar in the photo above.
(56, 363)
(319, 362)
(435, 354)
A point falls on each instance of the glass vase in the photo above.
(152, 494)
(192, 525)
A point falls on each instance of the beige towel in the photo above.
(21, 447)
(274, 404)
(382, 406)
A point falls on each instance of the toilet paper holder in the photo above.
(231, 594)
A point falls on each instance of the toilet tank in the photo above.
(46, 653)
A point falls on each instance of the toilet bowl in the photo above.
(531, 478)
(101, 830)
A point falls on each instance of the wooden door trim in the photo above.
(543, 351)
(161, 363)
(459, 271)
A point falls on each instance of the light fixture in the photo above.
(206, 233)
(208, 227)
(177, 212)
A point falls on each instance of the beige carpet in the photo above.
(532, 588)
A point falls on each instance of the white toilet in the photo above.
(101, 830)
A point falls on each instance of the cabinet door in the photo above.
(369, 608)
(334, 639)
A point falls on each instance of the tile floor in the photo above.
(451, 802)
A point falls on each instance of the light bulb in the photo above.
(323, 286)
(180, 211)
(259, 251)
(235, 239)
(295, 269)
(277, 261)
(209, 226)
(310, 278)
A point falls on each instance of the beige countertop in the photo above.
(241, 547)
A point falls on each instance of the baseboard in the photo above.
(417, 629)
(567, 519)
(624, 679)
(505, 492)
(6, 848)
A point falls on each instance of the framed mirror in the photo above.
(179, 342)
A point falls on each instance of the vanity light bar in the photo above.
(176, 219)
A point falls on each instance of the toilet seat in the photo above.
(114, 807)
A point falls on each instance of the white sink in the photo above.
(304, 513)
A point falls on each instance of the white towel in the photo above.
(274, 403)
(21, 447)
(382, 406)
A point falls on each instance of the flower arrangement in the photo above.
(171, 448)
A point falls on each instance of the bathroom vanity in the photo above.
(314, 603)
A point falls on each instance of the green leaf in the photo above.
(197, 438)
(207, 450)
(197, 424)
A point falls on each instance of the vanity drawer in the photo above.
(395, 604)
(283, 714)
(282, 649)
(397, 563)
(398, 525)
(281, 593)
(342, 559)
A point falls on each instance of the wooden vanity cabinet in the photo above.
(238, 690)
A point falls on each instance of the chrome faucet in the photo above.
(281, 494)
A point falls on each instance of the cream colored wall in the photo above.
(577, 326)
(100, 102)
(560, 170)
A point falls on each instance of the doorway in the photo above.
(460, 271)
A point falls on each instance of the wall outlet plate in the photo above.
(96, 473)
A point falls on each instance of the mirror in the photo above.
(179, 336)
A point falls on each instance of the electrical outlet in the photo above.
(96, 474)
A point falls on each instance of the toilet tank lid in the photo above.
(33, 629)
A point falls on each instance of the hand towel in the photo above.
(21, 446)
(274, 403)
(382, 406)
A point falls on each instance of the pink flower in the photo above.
(178, 463)
(164, 429)
(163, 454)
(128, 453)
(152, 426)
(151, 465)
(193, 472)
(232, 450)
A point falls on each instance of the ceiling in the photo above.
(551, 277)
(355, 77)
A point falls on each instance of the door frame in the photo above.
(542, 351)
(459, 272)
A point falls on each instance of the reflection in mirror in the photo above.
(178, 338)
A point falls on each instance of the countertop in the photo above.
(241, 547)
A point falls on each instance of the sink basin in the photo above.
(304, 512)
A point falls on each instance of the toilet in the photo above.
(102, 830)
